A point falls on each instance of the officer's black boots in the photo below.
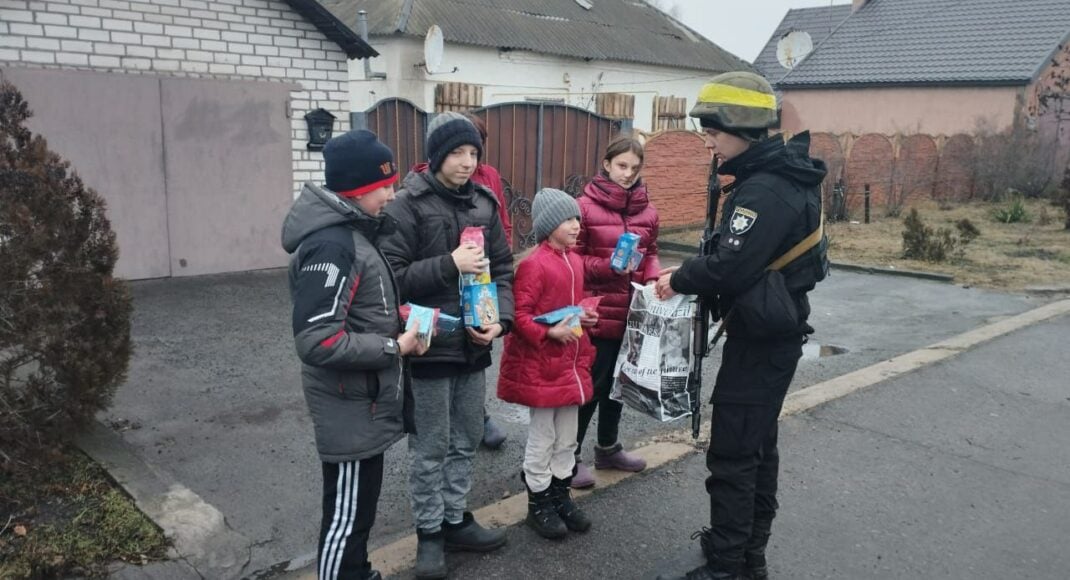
(705, 573)
(715, 568)
(574, 517)
(754, 556)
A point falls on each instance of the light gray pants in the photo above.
(550, 451)
(449, 427)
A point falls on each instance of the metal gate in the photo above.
(533, 145)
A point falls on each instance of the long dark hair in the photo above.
(624, 144)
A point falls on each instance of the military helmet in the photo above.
(737, 101)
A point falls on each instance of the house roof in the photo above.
(335, 30)
(818, 22)
(618, 30)
(937, 42)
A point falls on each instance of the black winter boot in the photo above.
(754, 555)
(430, 555)
(575, 519)
(715, 568)
(469, 536)
(542, 517)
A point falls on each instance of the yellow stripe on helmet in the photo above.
(719, 94)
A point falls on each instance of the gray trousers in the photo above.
(449, 427)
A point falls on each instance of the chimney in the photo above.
(856, 4)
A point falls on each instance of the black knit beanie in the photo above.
(356, 163)
(446, 132)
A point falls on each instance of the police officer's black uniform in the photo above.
(773, 205)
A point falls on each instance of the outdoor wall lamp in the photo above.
(320, 126)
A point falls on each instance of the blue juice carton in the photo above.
(637, 258)
(479, 305)
(423, 319)
(622, 254)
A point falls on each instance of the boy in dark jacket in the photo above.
(433, 207)
(348, 335)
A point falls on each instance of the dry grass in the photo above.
(1005, 256)
(68, 518)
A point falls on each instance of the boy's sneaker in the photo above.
(469, 536)
(616, 457)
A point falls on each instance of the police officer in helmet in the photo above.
(772, 211)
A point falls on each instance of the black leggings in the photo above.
(605, 359)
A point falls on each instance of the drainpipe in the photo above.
(362, 25)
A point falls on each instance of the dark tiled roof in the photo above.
(937, 42)
(619, 30)
(344, 36)
(818, 22)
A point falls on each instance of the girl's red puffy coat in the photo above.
(608, 210)
(536, 370)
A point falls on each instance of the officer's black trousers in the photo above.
(742, 458)
(350, 497)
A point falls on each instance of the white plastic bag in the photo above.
(655, 357)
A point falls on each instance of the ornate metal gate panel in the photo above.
(533, 145)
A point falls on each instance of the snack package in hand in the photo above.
(479, 304)
(474, 235)
(444, 323)
(590, 303)
(553, 317)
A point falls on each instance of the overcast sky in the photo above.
(741, 27)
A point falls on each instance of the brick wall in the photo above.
(869, 162)
(675, 171)
(915, 167)
(954, 173)
(261, 40)
(1049, 104)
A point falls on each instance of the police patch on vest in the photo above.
(742, 220)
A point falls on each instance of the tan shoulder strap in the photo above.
(801, 247)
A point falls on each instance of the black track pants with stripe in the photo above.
(350, 496)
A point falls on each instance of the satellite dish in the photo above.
(793, 47)
(433, 46)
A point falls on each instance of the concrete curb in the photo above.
(400, 555)
(892, 272)
(1048, 290)
(197, 530)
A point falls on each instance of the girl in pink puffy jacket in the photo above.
(614, 202)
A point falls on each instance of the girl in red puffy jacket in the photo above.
(614, 202)
(548, 367)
